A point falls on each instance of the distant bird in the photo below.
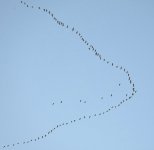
(67, 26)
(119, 84)
(27, 6)
(99, 113)
(53, 103)
(112, 64)
(111, 95)
(61, 102)
(39, 8)
(80, 101)
(73, 29)
(21, 1)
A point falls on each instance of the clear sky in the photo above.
(49, 76)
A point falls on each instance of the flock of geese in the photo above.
(99, 56)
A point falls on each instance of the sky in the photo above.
(50, 76)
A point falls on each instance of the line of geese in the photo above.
(90, 47)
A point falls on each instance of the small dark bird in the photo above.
(13, 145)
(27, 6)
(73, 29)
(61, 102)
(80, 101)
(111, 95)
(53, 103)
(119, 84)
(112, 64)
(21, 1)
(39, 8)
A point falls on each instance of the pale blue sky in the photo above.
(42, 63)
